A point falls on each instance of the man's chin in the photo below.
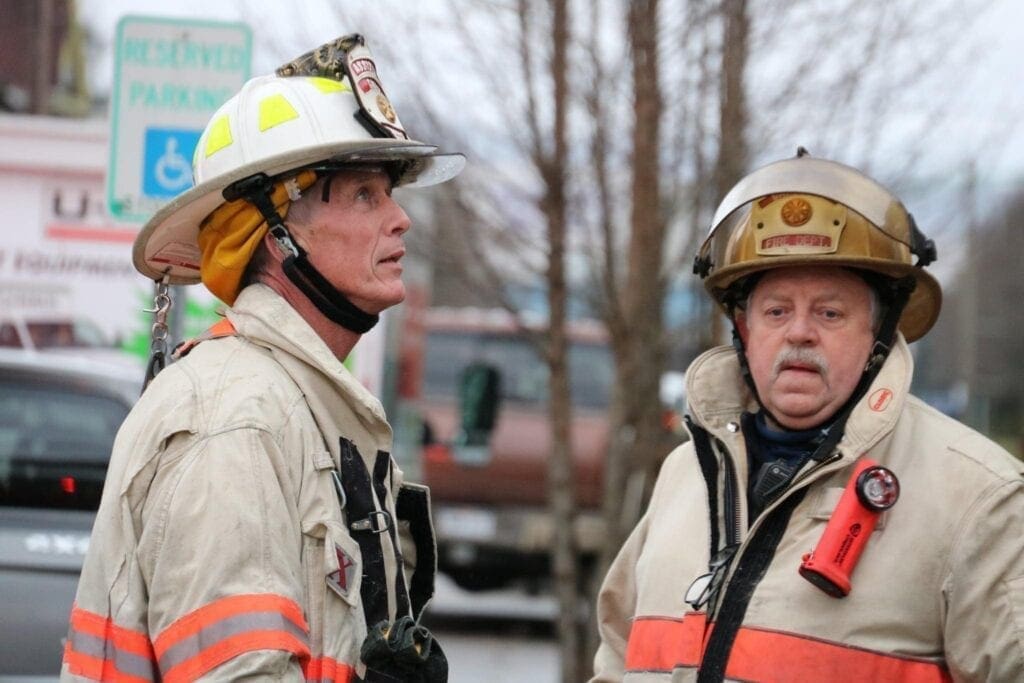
(379, 304)
(799, 414)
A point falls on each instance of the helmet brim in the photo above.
(167, 245)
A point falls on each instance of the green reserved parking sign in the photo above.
(170, 75)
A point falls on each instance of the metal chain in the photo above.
(159, 332)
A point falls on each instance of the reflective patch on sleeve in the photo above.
(100, 650)
(325, 669)
(204, 639)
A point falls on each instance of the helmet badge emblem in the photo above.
(796, 212)
(385, 107)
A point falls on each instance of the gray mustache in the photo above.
(800, 355)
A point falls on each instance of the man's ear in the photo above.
(740, 321)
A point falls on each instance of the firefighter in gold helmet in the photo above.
(822, 524)
(251, 525)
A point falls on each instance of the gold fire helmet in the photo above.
(807, 211)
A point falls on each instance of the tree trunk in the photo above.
(560, 480)
(732, 115)
(635, 413)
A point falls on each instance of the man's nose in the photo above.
(801, 329)
(399, 222)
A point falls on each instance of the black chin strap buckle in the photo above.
(257, 189)
(284, 241)
(879, 352)
(250, 188)
(701, 266)
(920, 245)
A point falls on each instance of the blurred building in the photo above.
(42, 59)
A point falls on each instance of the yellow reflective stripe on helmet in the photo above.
(329, 85)
(275, 110)
(219, 137)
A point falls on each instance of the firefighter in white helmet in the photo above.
(250, 520)
(821, 524)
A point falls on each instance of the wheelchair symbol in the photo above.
(167, 170)
(173, 172)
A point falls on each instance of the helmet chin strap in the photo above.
(326, 297)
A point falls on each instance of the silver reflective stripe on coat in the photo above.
(106, 651)
(239, 624)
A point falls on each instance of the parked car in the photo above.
(58, 418)
(488, 491)
(49, 332)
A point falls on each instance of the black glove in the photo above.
(403, 651)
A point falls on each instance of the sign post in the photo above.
(170, 75)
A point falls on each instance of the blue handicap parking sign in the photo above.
(167, 167)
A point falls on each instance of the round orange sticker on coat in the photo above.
(880, 399)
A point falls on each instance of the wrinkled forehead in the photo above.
(811, 281)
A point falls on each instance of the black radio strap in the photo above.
(413, 507)
(749, 571)
(709, 468)
(366, 523)
(381, 482)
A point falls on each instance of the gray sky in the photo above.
(987, 95)
(979, 82)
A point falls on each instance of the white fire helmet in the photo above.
(278, 125)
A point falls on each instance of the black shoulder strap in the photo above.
(413, 507)
(749, 572)
(709, 468)
(366, 523)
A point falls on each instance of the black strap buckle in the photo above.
(378, 521)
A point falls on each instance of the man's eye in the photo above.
(775, 312)
(831, 314)
(362, 194)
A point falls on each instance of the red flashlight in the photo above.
(871, 490)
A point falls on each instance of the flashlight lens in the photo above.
(878, 488)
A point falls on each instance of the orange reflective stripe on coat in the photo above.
(662, 644)
(100, 650)
(665, 643)
(204, 639)
(324, 669)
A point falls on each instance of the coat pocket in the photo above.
(334, 579)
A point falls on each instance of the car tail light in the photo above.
(437, 453)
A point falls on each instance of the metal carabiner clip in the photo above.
(339, 488)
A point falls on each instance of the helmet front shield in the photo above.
(827, 179)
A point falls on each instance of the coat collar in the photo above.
(265, 318)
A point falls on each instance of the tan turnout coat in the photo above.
(938, 593)
(220, 550)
